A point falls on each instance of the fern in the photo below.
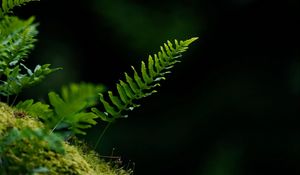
(135, 87)
(8, 5)
(70, 115)
(37, 110)
(16, 81)
(82, 92)
(69, 111)
(17, 38)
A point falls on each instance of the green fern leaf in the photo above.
(137, 87)
(67, 112)
(116, 100)
(70, 110)
(69, 115)
(138, 79)
(157, 64)
(129, 93)
(103, 116)
(152, 72)
(16, 81)
(145, 75)
(132, 84)
(38, 109)
(82, 92)
(122, 94)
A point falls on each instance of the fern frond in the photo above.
(16, 81)
(8, 5)
(17, 38)
(67, 112)
(82, 92)
(70, 110)
(142, 84)
(38, 109)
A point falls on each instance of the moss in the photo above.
(27, 155)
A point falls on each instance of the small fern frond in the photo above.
(37, 110)
(141, 85)
(17, 38)
(70, 109)
(16, 81)
(8, 5)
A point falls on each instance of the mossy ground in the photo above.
(32, 156)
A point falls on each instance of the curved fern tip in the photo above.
(191, 40)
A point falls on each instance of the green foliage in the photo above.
(70, 115)
(16, 81)
(139, 86)
(37, 110)
(8, 5)
(86, 92)
(69, 111)
(17, 38)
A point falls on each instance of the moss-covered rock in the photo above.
(31, 155)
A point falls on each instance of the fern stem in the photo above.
(14, 100)
(102, 134)
(59, 122)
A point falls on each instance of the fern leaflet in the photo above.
(37, 110)
(139, 86)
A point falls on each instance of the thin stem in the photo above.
(14, 100)
(53, 129)
(101, 135)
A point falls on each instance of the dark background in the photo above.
(232, 105)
